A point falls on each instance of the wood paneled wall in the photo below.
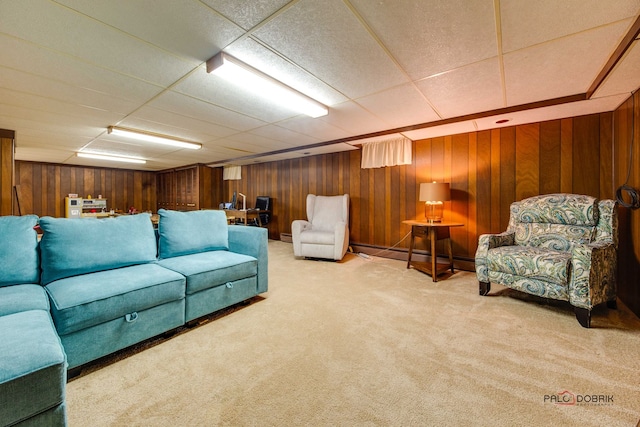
(627, 170)
(487, 170)
(6, 171)
(42, 187)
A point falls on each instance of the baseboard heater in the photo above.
(459, 263)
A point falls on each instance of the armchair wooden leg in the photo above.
(613, 304)
(485, 287)
(584, 316)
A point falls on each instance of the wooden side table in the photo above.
(434, 231)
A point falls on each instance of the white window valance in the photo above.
(390, 152)
(230, 172)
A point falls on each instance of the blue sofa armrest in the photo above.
(252, 241)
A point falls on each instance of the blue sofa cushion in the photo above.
(183, 233)
(82, 301)
(213, 268)
(17, 298)
(33, 368)
(19, 256)
(70, 247)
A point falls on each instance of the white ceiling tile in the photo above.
(63, 30)
(326, 39)
(180, 27)
(62, 95)
(476, 87)
(316, 128)
(66, 119)
(24, 123)
(36, 154)
(176, 125)
(431, 36)
(250, 143)
(246, 13)
(284, 135)
(625, 77)
(526, 23)
(44, 139)
(399, 106)
(63, 69)
(353, 118)
(195, 108)
(559, 68)
(185, 157)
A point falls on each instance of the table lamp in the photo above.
(433, 194)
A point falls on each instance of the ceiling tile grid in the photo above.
(60, 29)
(465, 90)
(183, 28)
(431, 36)
(399, 106)
(562, 67)
(71, 68)
(328, 41)
(528, 23)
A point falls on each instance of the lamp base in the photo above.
(433, 212)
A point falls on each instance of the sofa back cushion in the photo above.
(552, 236)
(70, 247)
(555, 221)
(19, 250)
(184, 233)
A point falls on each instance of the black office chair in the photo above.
(262, 203)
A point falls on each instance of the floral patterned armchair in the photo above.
(558, 246)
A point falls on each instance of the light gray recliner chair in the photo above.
(326, 232)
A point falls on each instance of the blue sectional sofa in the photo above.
(33, 368)
(95, 286)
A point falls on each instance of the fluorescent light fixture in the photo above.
(111, 157)
(244, 75)
(152, 137)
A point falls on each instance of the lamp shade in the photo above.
(434, 192)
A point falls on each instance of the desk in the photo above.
(245, 215)
(434, 231)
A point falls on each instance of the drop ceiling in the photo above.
(421, 68)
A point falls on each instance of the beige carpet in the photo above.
(370, 343)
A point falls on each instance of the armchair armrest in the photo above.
(593, 274)
(486, 242)
(252, 241)
(341, 232)
(297, 227)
